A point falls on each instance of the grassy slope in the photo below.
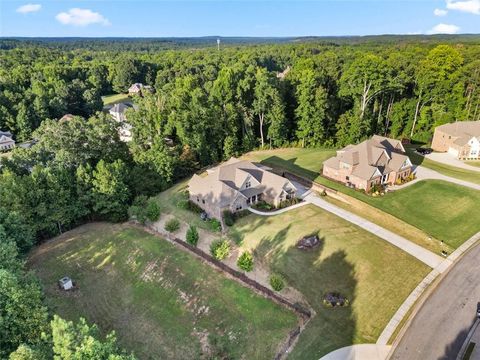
(376, 276)
(169, 200)
(443, 210)
(473, 163)
(154, 295)
(114, 98)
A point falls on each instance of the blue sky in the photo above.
(157, 18)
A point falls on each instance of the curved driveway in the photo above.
(441, 325)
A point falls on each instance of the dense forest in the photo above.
(210, 104)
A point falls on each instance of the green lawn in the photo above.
(171, 201)
(473, 163)
(304, 162)
(161, 301)
(114, 98)
(374, 275)
(443, 210)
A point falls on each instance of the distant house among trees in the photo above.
(118, 114)
(135, 89)
(139, 89)
(66, 117)
(118, 111)
(6, 141)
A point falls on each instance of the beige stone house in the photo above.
(376, 161)
(237, 184)
(460, 139)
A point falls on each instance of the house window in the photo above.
(347, 178)
(203, 201)
(238, 207)
(247, 184)
(198, 199)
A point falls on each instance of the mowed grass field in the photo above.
(374, 275)
(162, 302)
(445, 211)
(115, 98)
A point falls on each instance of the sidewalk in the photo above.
(427, 257)
(360, 351)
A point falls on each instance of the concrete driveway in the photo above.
(447, 159)
(442, 324)
(423, 173)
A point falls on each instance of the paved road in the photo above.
(442, 324)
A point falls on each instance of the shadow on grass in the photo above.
(332, 327)
(291, 166)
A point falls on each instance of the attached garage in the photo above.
(453, 151)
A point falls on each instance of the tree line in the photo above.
(208, 105)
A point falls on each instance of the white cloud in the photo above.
(444, 29)
(469, 6)
(29, 8)
(440, 12)
(81, 17)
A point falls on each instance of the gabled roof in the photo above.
(372, 157)
(462, 129)
(120, 108)
(224, 183)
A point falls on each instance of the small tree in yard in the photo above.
(220, 249)
(228, 218)
(137, 210)
(192, 235)
(152, 210)
(245, 261)
(276, 282)
(172, 225)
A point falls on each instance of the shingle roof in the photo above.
(366, 158)
(461, 128)
(223, 183)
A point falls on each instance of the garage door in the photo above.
(453, 152)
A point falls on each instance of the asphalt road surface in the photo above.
(442, 324)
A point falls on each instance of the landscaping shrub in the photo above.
(137, 211)
(192, 235)
(152, 210)
(288, 202)
(220, 249)
(228, 218)
(215, 225)
(245, 261)
(262, 205)
(276, 282)
(172, 225)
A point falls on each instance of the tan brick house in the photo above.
(460, 139)
(378, 160)
(237, 184)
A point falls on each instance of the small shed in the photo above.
(65, 283)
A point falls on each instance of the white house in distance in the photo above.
(6, 141)
(117, 112)
(460, 139)
(237, 184)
